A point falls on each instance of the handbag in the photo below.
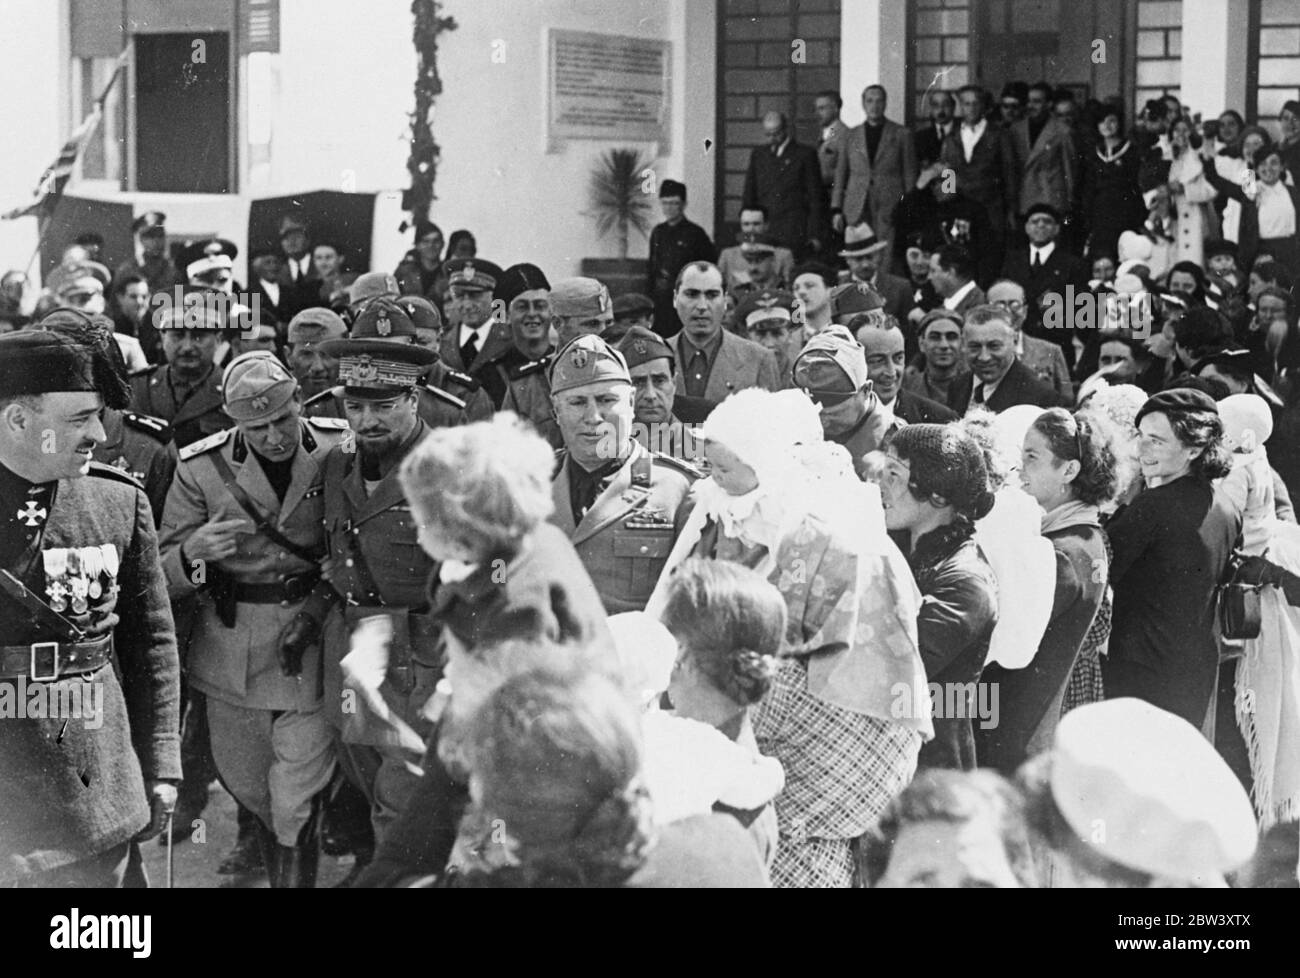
(1238, 603)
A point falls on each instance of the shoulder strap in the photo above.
(641, 471)
(42, 612)
(263, 525)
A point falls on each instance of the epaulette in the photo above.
(328, 424)
(685, 468)
(144, 371)
(155, 427)
(531, 367)
(442, 395)
(205, 444)
(465, 380)
(112, 472)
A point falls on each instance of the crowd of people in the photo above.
(780, 573)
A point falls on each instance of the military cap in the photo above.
(149, 223)
(766, 304)
(632, 305)
(587, 359)
(852, 298)
(1170, 804)
(1043, 207)
(372, 284)
(1220, 246)
(473, 274)
(860, 239)
(191, 315)
(381, 358)
(831, 365)
(256, 385)
(66, 280)
(518, 279)
(46, 362)
(423, 228)
(579, 297)
(207, 256)
(673, 188)
(316, 325)
(640, 345)
(757, 244)
(424, 314)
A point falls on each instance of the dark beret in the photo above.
(672, 188)
(1042, 207)
(1220, 246)
(518, 279)
(1178, 400)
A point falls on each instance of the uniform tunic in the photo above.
(141, 447)
(193, 410)
(673, 246)
(68, 792)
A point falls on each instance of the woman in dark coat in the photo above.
(1171, 546)
(1111, 201)
(935, 487)
(1068, 467)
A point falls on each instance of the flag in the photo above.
(50, 187)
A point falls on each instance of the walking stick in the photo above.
(171, 882)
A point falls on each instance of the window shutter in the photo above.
(259, 26)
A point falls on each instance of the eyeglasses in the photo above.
(1014, 305)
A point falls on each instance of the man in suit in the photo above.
(998, 380)
(877, 167)
(952, 273)
(480, 337)
(882, 344)
(862, 252)
(734, 264)
(784, 176)
(1045, 266)
(929, 139)
(621, 505)
(1046, 156)
(831, 144)
(299, 278)
(273, 747)
(934, 211)
(1044, 358)
(673, 243)
(981, 157)
(712, 362)
(267, 270)
(83, 780)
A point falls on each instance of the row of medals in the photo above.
(73, 575)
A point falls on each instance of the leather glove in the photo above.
(300, 634)
(1256, 571)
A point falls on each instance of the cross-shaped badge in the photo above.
(32, 514)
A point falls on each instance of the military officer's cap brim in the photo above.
(381, 349)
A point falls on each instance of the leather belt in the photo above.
(47, 662)
(289, 591)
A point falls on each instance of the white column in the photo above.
(873, 42)
(694, 34)
(1214, 56)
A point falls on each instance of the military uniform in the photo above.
(525, 390)
(141, 447)
(438, 408)
(193, 411)
(72, 791)
(478, 405)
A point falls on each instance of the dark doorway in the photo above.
(183, 98)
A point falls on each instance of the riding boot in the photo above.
(246, 856)
(296, 865)
(270, 847)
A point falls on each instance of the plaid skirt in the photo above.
(1085, 685)
(841, 770)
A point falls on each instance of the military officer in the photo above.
(663, 418)
(766, 317)
(83, 602)
(428, 328)
(154, 266)
(243, 527)
(185, 392)
(578, 306)
(135, 443)
(314, 370)
(382, 320)
(517, 378)
(375, 564)
(480, 336)
(621, 505)
(832, 371)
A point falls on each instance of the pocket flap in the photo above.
(643, 543)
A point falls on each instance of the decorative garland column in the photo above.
(422, 164)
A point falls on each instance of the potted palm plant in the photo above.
(619, 203)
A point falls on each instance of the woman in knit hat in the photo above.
(841, 717)
(935, 487)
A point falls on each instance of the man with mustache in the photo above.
(374, 563)
(245, 514)
(84, 604)
(185, 392)
(517, 379)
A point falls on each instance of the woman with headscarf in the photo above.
(935, 488)
(1068, 468)
(847, 712)
(1171, 547)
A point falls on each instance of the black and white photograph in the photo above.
(653, 444)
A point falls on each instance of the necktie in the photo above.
(1038, 259)
(469, 350)
(978, 396)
